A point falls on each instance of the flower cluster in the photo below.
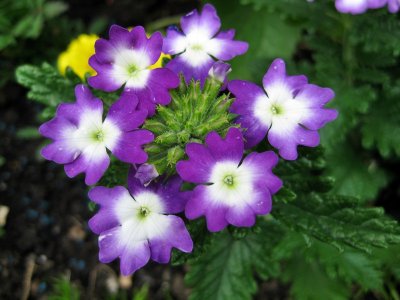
(361, 6)
(190, 147)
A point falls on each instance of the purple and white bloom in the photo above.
(394, 6)
(358, 6)
(219, 72)
(199, 42)
(81, 137)
(136, 225)
(125, 59)
(231, 190)
(287, 109)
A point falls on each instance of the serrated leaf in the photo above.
(225, 271)
(46, 85)
(338, 269)
(381, 129)
(339, 221)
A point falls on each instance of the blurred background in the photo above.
(46, 249)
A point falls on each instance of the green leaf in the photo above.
(310, 282)
(53, 9)
(225, 271)
(381, 129)
(28, 133)
(46, 85)
(268, 34)
(6, 40)
(29, 27)
(352, 103)
(307, 260)
(356, 173)
(64, 289)
(339, 221)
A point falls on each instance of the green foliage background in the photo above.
(325, 238)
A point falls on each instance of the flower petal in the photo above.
(229, 148)
(174, 42)
(110, 245)
(225, 49)
(197, 168)
(246, 95)
(206, 24)
(93, 161)
(286, 138)
(129, 146)
(105, 79)
(124, 113)
(278, 85)
(176, 236)
(261, 165)
(134, 257)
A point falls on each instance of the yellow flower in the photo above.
(77, 55)
(158, 63)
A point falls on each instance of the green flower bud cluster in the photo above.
(191, 115)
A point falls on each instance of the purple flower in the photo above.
(394, 6)
(136, 226)
(288, 109)
(358, 6)
(80, 137)
(199, 43)
(219, 72)
(232, 190)
(125, 59)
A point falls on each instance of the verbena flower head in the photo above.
(81, 137)
(136, 225)
(126, 59)
(287, 109)
(358, 6)
(199, 43)
(231, 190)
(77, 55)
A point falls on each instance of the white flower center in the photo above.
(196, 47)
(141, 218)
(279, 108)
(230, 184)
(92, 133)
(131, 66)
